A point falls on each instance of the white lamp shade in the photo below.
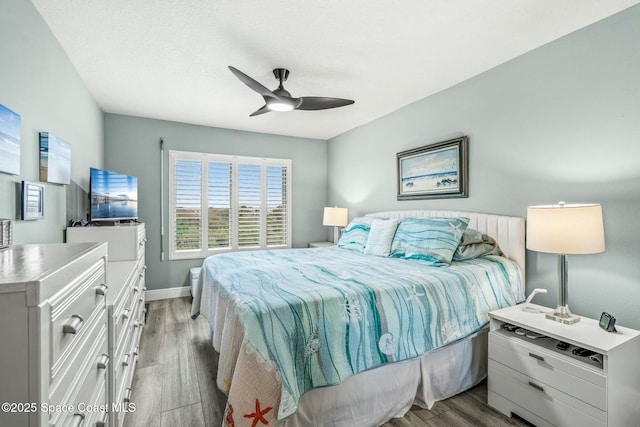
(337, 217)
(565, 229)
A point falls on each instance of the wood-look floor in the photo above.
(174, 383)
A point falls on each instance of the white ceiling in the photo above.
(167, 59)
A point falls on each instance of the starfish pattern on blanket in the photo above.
(456, 230)
(258, 416)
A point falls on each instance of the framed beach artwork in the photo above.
(55, 159)
(434, 171)
(9, 141)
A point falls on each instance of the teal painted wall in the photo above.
(561, 122)
(132, 147)
(39, 82)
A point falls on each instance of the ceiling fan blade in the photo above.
(258, 87)
(262, 110)
(322, 103)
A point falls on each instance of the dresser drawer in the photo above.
(554, 406)
(72, 309)
(574, 378)
(87, 385)
(65, 379)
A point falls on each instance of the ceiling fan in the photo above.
(281, 100)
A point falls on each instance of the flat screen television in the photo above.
(114, 196)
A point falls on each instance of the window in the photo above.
(224, 203)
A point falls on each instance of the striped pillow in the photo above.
(355, 236)
(429, 239)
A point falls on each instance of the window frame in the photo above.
(235, 161)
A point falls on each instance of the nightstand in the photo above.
(320, 244)
(548, 387)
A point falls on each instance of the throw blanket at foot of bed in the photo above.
(288, 321)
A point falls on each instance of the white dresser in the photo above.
(125, 305)
(53, 335)
(548, 386)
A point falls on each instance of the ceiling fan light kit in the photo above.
(281, 100)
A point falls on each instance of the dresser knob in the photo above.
(74, 324)
(125, 313)
(102, 289)
(535, 356)
(127, 395)
(77, 420)
(102, 422)
(103, 361)
(536, 386)
(125, 360)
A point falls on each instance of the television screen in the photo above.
(114, 196)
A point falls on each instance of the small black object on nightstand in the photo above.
(561, 345)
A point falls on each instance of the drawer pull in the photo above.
(103, 361)
(102, 289)
(144, 289)
(536, 386)
(74, 325)
(127, 395)
(102, 422)
(77, 420)
(136, 350)
(141, 299)
(125, 313)
(535, 356)
(141, 274)
(125, 361)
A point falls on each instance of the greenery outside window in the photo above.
(221, 203)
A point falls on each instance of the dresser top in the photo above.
(34, 262)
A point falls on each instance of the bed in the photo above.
(334, 336)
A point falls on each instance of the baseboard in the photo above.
(156, 294)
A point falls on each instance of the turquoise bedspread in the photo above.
(321, 315)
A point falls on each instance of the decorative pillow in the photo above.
(475, 244)
(380, 237)
(429, 239)
(355, 236)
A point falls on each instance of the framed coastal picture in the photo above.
(55, 159)
(434, 171)
(9, 141)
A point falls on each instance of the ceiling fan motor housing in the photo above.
(281, 74)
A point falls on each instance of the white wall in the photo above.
(38, 81)
(559, 123)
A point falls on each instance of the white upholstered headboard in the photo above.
(507, 230)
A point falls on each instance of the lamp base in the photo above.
(562, 314)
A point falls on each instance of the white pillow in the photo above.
(380, 237)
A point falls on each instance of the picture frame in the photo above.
(434, 171)
(32, 201)
(10, 134)
(55, 159)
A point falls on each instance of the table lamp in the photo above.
(565, 229)
(336, 217)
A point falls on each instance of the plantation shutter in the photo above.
(277, 208)
(219, 183)
(187, 199)
(249, 205)
(224, 203)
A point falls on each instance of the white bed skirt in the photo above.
(373, 397)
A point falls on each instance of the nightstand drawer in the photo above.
(554, 406)
(544, 366)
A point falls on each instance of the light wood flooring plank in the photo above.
(152, 338)
(190, 416)
(147, 396)
(212, 399)
(180, 384)
(178, 311)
